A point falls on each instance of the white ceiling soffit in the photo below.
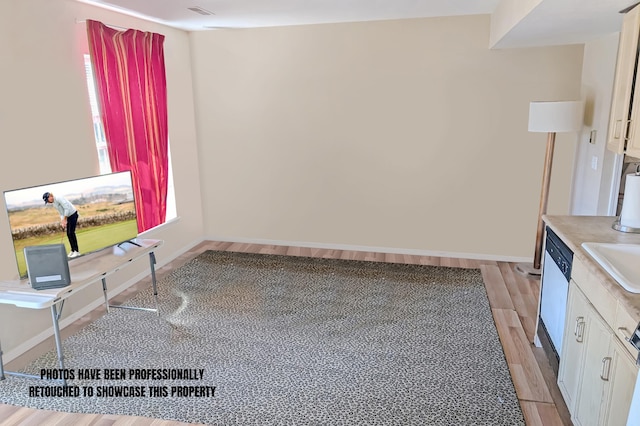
(554, 22)
(549, 23)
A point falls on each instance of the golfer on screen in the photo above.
(68, 219)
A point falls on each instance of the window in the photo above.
(98, 130)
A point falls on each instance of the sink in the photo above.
(622, 261)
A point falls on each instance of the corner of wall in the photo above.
(507, 15)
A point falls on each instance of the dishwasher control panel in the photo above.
(559, 252)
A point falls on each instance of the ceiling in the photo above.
(550, 22)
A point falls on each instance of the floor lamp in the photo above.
(549, 117)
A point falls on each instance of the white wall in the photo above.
(400, 135)
(46, 134)
(403, 135)
(592, 186)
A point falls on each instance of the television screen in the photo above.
(106, 214)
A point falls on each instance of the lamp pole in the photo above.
(544, 198)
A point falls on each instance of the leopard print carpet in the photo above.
(280, 340)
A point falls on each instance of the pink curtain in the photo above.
(132, 91)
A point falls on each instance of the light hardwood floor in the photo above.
(513, 300)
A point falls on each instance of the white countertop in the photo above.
(575, 230)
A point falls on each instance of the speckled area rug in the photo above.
(252, 339)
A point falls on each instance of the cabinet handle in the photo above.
(606, 367)
(632, 340)
(628, 128)
(625, 333)
(616, 129)
(578, 332)
(575, 330)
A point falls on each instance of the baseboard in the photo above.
(390, 250)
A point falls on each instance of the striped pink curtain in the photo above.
(132, 91)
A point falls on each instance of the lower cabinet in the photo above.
(597, 375)
(573, 346)
(595, 367)
(620, 386)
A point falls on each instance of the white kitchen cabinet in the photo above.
(624, 127)
(573, 346)
(595, 368)
(620, 386)
(597, 372)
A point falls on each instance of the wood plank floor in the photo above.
(512, 296)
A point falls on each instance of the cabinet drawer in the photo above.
(600, 298)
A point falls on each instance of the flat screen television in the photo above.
(105, 205)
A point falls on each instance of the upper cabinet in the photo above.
(624, 125)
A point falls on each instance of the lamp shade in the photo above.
(560, 116)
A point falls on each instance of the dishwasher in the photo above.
(556, 272)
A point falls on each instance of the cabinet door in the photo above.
(621, 102)
(620, 386)
(573, 345)
(596, 370)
